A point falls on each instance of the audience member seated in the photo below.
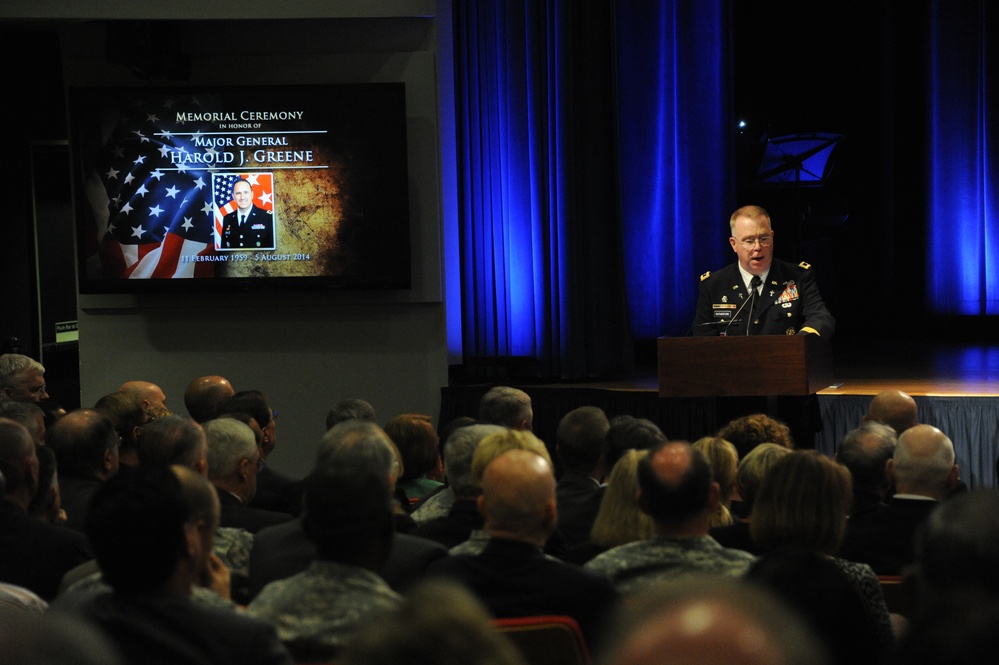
(152, 396)
(957, 547)
(748, 477)
(439, 503)
(512, 576)
(233, 458)
(724, 462)
(489, 449)
(825, 598)
(152, 532)
(923, 472)
(418, 444)
(86, 447)
(349, 409)
(126, 411)
(178, 440)
(33, 554)
(174, 439)
(579, 444)
(630, 433)
(284, 550)
(28, 414)
(21, 379)
(203, 396)
(506, 407)
(438, 623)
(676, 490)
(711, 621)
(464, 517)
(895, 409)
(619, 521)
(865, 452)
(275, 490)
(46, 505)
(803, 503)
(349, 518)
(747, 432)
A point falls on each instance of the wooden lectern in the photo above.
(753, 365)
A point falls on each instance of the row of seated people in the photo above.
(321, 576)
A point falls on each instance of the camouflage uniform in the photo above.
(661, 558)
(437, 505)
(474, 545)
(94, 583)
(316, 612)
(233, 547)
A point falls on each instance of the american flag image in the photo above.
(152, 203)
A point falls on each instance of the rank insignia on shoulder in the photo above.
(705, 275)
(805, 265)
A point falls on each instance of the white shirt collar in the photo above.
(748, 277)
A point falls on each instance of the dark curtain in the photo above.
(561, 106)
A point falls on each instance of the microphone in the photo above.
(753, 283)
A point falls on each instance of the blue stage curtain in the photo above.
(561, 248)
(677, 155)
(963, 230)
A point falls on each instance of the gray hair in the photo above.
(229, 441)
(360, 445)
(12, 365)
(505, 406)
(458, 453)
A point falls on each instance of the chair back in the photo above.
(547, 640)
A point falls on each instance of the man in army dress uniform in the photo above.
(786, 299)
(247, 227)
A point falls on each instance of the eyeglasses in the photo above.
(749, 243)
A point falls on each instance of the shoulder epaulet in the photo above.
(705, 275)
(805, 266)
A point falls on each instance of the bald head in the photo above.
(703, 622)
(518, 497)
(152, 395)
(923, 463)
(893, 408)
(676, 489)
(204, 394)
(86, 444)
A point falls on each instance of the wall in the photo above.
(305, 351)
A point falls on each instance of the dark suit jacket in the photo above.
(284, 550)
(578, 497)
(75, 493)
(237, 515)
(884, 539)
(723, 293)
(36, 555)
(257, 232)
(167, 629)
(278, 492)
(516, 579)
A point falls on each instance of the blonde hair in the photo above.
(495, 445)
(724, 461)
(754, 466)
(619, 519)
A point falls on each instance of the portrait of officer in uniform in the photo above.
(758, 294)
(249, 226)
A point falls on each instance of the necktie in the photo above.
(754, 284)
